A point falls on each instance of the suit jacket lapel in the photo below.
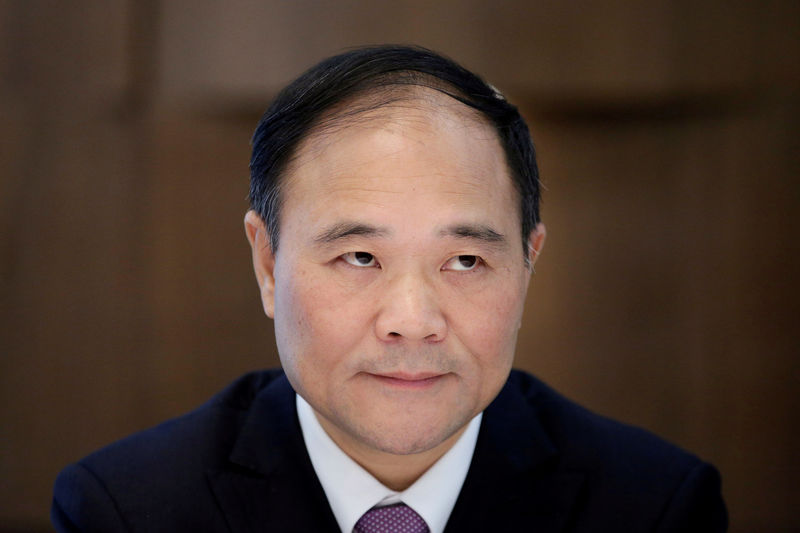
(270, 484)
(514, 478)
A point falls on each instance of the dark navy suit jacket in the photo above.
(239, 464)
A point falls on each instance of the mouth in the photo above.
(406, 380)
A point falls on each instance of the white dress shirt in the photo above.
(352, 491)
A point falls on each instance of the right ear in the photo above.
(263, 259)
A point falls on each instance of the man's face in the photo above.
(398, 285)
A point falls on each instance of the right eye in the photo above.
(360, 259)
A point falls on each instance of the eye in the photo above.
(463, 263)
(360, 259)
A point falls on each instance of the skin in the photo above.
(398, 284)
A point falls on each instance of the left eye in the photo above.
(360, 259)
(463, 263)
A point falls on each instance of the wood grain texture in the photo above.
(666, 295)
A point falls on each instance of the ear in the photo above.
(536, 243)
(263, 260)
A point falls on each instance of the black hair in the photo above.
(298, 109)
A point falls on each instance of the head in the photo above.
(375, 71)
(394, 223)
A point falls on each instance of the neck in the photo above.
(396, 471)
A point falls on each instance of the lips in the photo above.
(415, 380)
(409, 376)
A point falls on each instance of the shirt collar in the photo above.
(352, 491)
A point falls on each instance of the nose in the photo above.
(411, 310)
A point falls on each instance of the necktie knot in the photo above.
(398, 518)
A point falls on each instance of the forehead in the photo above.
(421, 147)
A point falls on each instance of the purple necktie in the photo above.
(398, 518)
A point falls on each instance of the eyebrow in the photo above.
(477, 232)
(343, 230)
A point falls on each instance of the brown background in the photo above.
(666, 296)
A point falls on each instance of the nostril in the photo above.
(394, 334)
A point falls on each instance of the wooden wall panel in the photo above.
(71, 319)
(666, 295)
(209, 326)
(217, 50)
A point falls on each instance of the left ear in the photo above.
(536, 243)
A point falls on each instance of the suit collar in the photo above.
(270, 484)
(512, 431)
(515, 477)
(271, 431)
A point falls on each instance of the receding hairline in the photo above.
(386, 101)
(338, 90)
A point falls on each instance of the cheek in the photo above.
(489, 322)
(316, 323)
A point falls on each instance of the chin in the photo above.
(409, 441)
(407, 447)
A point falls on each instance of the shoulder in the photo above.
(200, 435)
(160, 466)
(587, 440)
(623, 467)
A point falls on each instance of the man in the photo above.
(394, 228)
